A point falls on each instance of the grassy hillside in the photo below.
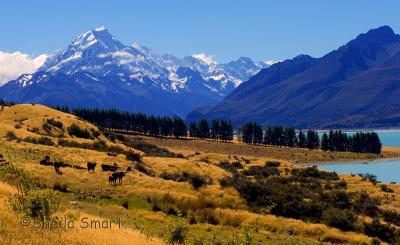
(178, 189)
(293, 155)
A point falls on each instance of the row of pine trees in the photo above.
(160, 126)
(368, 142)
(222, 130)
(252, 133)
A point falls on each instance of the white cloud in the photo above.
(208, 59)
(123, 57)
(14, 64)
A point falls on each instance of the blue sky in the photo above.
(260, 29)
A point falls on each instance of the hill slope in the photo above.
(353, 86)
(200, 193)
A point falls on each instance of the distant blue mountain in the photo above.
(355, 86)
(97, 70)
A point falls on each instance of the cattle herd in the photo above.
(116, 173)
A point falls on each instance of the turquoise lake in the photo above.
(386, 171)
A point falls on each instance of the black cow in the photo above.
(91, 166)
(46, 161)
(112, 180)
(111, 168)
(118, 176)
(57, 166)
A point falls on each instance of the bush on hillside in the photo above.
(75, 130)
(55, 123)
(383, 231)
(338, 218)
(178, 231)
(10, 135)
(133, 156)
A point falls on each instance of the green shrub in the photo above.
(55, 123)
(194, 179)
(144, 169)
(177, 231)
(34, 130)
(133, 156)
(45, 141)
(369, 177)
(383, 231)
(385, 188)
(46, 127)
(247, 234)
(99, 145)
(261, 171)
(60, 187)
(375, 241)
(36, 203)
(272, 164)
(197, 181)
(390, 216)
(339, 218)
(147, 148)
(227, 166)
(311, 172)
(95, 133)
(238, 165)
(75, 130)
(10, 135)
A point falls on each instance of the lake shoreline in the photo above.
(343, 162)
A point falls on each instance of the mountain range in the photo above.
(354, 86)
(97, 70)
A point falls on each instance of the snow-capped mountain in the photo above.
(97, 70)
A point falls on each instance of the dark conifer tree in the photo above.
(268, 136)
(302, 140)
(215, 130)
(203, 129)
(193, 131)
(179, 127)
(312, 139)
(324, 142)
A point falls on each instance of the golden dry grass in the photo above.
(294, 155)
(140, 185)
(12, 232)
(233, 209)
(30, 116)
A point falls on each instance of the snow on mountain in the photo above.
(97, 62)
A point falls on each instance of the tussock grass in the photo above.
(294, 155)
(224, 208)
